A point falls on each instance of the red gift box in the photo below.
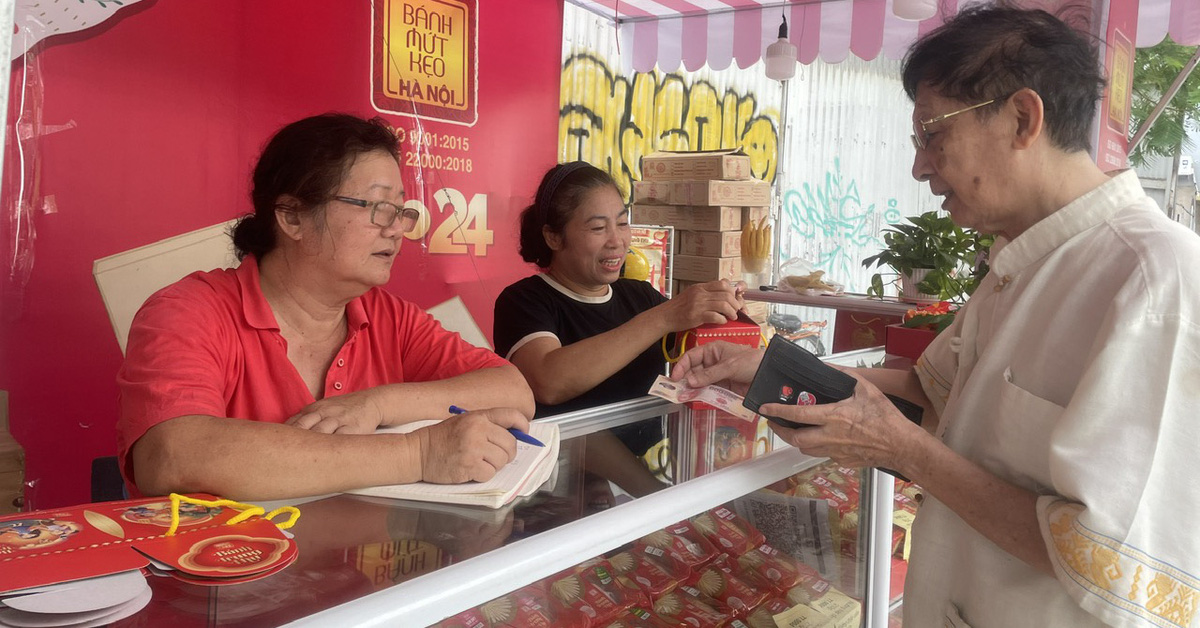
(908, 342)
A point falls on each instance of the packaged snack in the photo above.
(591, 588)
(638, 617)
(685, 541)
(466, 619)
(650, 569)
(718, 581)
(808, 590)
(536, 609)
(767, 567)
(764, 615)
(688, 609)
(727, 531)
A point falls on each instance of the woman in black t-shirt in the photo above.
(580, 334)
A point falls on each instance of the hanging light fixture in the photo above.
(914, 10)
(781, 56)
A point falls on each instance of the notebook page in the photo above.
(529, 461)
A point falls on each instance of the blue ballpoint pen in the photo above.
(517, 434)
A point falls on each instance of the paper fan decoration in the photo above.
(567, 590)
(849, 521)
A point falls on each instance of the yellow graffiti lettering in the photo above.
(612, 121)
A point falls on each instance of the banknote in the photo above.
(720, 398)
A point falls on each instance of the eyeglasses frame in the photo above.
(398, 211)
(921, 143)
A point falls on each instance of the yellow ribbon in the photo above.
(247, 511)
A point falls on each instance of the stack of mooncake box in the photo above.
(707, 197)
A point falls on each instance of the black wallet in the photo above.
(788, 372)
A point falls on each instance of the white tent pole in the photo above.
(1162, 103)
(777, 208)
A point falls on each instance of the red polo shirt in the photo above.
(209, 344)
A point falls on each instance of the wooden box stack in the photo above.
(707, 196)
(12, 463)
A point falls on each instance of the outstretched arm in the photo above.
(395, 404)
(560, 373)
(242, 459)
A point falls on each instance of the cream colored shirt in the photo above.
(1074, 372)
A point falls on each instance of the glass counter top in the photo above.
(371, 561)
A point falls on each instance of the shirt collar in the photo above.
(255, 308)
(1087, 211)
(258, 312)
(575, 295)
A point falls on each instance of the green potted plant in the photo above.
(939, 265)
(935, 259)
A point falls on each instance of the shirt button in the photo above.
(337, 385)
(341, 362)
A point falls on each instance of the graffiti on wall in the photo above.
(611, 121)
(831, 218)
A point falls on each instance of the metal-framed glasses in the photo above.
(385, 213)
(920, 136)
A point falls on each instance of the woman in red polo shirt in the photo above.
(265, 381)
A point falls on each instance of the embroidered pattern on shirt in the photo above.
(1121, 575)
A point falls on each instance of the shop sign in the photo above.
(1113, 142)
(424, 59)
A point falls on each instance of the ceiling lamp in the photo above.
(914, 10)
(781, 56)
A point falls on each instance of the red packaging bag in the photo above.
(638, 617)
(592, 589)
(688, 609)
(727, 531)
(684, 540)
(719, 582)
(770, 568)
(764, 615)
(650, 569)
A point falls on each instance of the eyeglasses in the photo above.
(920, 137)
(385, 213)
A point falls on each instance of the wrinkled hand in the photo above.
(353, 413)
(469, 447)
(722, 363)
(865, 430)
(712, 302)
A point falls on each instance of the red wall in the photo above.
(171, 103)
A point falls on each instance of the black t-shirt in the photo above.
(539, 306)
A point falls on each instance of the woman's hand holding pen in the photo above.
(469, 447)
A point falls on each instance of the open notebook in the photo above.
(532, 466)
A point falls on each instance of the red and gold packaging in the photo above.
(685, 541)
(591, 588)
(764, 615)
(767, 567)
(688, 608)
(650, 569)
(719, 581)
(727, 531)
(638, 617)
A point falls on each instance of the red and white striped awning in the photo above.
(668, 33)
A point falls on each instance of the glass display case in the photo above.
(375, 562)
